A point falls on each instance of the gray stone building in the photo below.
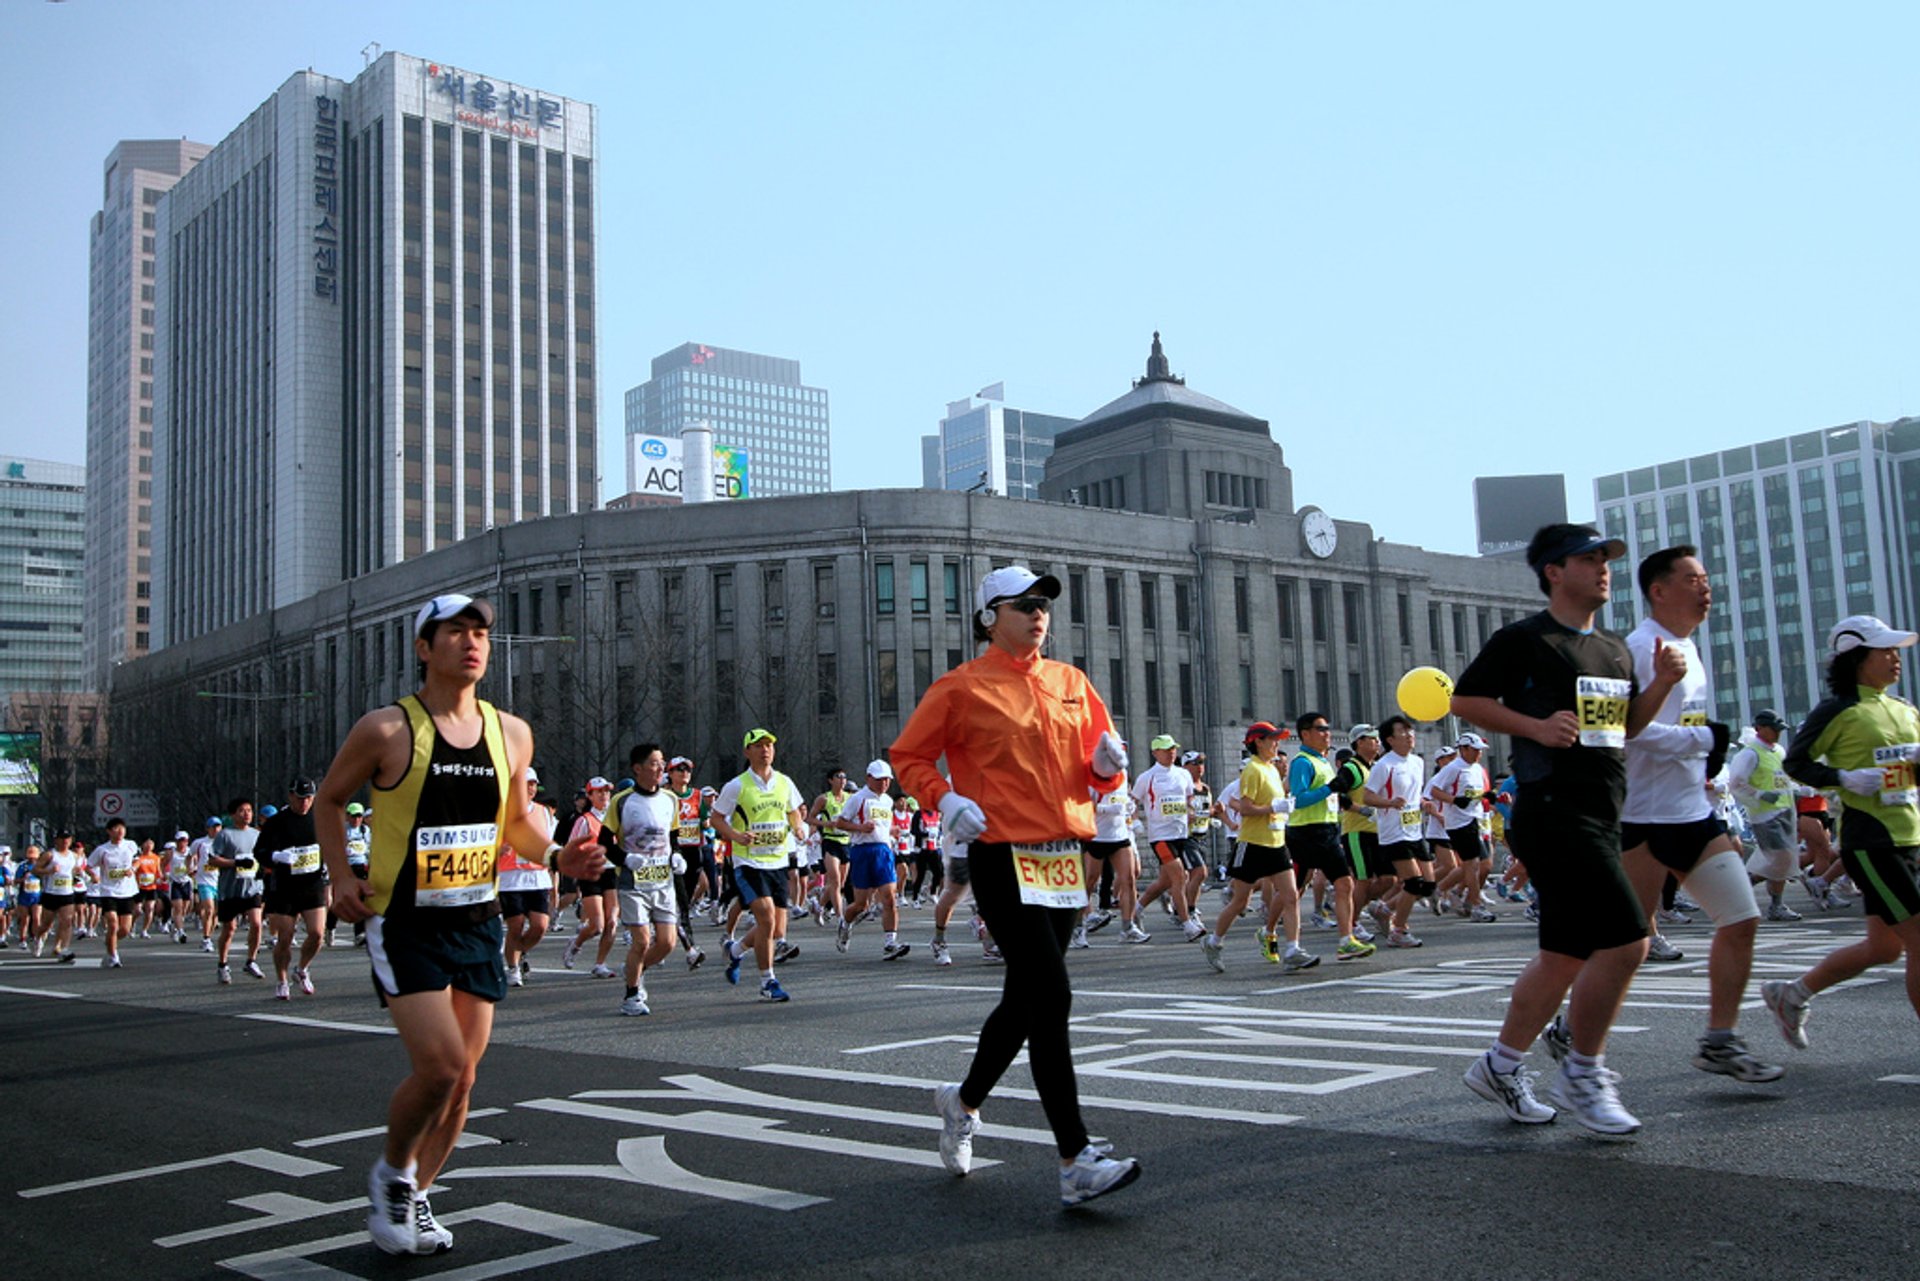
(826, 616)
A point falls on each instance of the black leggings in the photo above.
(1034, 1001)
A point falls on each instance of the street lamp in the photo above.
(507, 639)
(255, 700)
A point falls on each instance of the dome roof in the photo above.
(1160, 395)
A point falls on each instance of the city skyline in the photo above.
(1537, 245)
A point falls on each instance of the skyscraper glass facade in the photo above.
(752, 402)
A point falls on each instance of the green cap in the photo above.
(1163, 743)
(356, 809)
(756, 734)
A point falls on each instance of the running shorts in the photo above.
(1468, 842)
(654, 905)
(232, 909)
(524, 903)
(410, 957)
(758, 882)
(1885, 877)
(1254, 863)
(1363, 855)
(292, 895)
(1586, 902)
(1676, 846)
(871, 865)
(1104, 849)
(1315, 847)
(120, 906)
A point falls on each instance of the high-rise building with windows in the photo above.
(753, 402)
(123, 291)
(375, 334)
(1797, 533)
(985, 443)
(43, 585)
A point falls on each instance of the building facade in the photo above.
(375, 335)
(826, 617)
(43, 577)
(752, 402)
(983, 443)
(123, 300)
(1797, 533)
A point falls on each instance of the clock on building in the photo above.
(1318, 532)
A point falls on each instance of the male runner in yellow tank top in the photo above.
(451, 770)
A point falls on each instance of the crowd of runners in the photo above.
(1624, 808)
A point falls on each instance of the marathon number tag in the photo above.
(1410, 820)
(654, 873)
(1050, 875)
(1897, 783)
(1173, 809)
(1601, 704)
(1693, 713)
(119, 873)
(455, 866)
(305, 861)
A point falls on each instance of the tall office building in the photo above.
(123, 291)
(981, 439)
(1797, 533)
(375, 334)
(42, 571)
(753, 402)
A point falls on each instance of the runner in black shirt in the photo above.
(1566, 693)
(296, 891)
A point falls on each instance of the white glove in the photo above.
(961, 818)
(678, 863)
(1768, 797)
(1109, 755)
(635, 862)
(801, 832)
(1282, 806)
(1861, 782)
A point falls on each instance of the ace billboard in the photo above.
(658, 468)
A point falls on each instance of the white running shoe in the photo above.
(1511, 1090)
(1789, 1011)
(941, 956)
(1402, 938)
(636, 1004)
(281, 992)
(1592, 1099)
(515, 978)
(206, 945)
(305, 980)
(601, 972)
(1095, 1173)
(572, 953)
(1781, 912)
(433, 1238)
(391, 1224)
(958, 1126)
(1211, 950)
(1078, 939)
(1132, 933)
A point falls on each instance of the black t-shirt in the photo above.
(1538, 667)
(294, 837)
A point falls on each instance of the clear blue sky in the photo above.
(1424, 241)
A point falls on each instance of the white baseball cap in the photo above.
(1864, 629)
(181, 836)
(879, 769)
(1016, 580)
(1471, 740)
(449, 606)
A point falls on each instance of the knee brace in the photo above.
(1419, 886)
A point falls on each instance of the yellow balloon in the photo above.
(1425, 693)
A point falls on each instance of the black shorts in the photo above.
(180, 891)
(54, 902)
(145, 896)
(1885, 878)
(1673, 845)
(760, 882)
(292, 895)
(1316, 848)
(411, 956)
(232, 909)
(839, 849)
(1469, 842)
(1104, 849)
(1254, 863)
(1573, 860)
(609, 881)
(120, 906)
(1363, 854)
(1436, 848)
(1403, 852)
(523, 903)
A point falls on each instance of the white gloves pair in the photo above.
(962, 819)
(1109, 755)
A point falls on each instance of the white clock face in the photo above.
(1318, 529)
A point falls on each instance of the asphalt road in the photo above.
(1309, 1125)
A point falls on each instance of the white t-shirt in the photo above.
(1667, 760)
(112, 864)
(1399, 779)
(205, 873)
(1112, 811)
(1223, 808)
(179, 864)
(1163, 794)
(1459, 779)
(869, 807)
(646, 826)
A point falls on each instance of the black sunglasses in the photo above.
(1030, 604)
(1318, 729)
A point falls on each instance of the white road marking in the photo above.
(347, 1136)
(293, 1167)
(1354, 1075)
(39, 991)
(328, 1025)
(274, 1209)
(579, 1237)
(645, 1161)
(1016, 1092)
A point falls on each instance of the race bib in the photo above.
(455, 866)
(1113, 803)
(1897, 786)
(1173, 809)
(1410, 821)
(147, 878)
(656, 872)
(305, 860)
(30, 885)
(1601, 704)
(687, 833)
(1050, 875)
(356, 851)
(1693, 713)
(119, 873)
(62, 883)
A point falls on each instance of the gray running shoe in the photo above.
(1211, 950)
(1735, 1060)
(1098, 919)
(957, 1128)
(1095, 1173)
(1593, 1100)
(1078, 939)
(1789, 1011)
(1298, 959)
(1513, 1091)
(1658, 949)
(895, 951)
(1558, 1040)
(1781, 912)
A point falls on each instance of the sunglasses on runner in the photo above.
(1318, 729)
(1030, 604)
